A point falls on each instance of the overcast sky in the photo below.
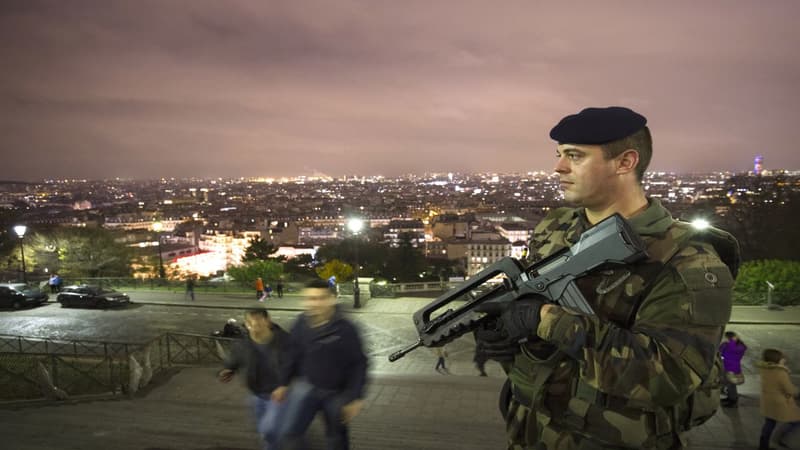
(227, 88)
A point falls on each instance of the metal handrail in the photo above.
(80, 367)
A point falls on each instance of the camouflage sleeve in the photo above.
(671, 348)
(555, 220)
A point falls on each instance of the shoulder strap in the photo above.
(726, 246)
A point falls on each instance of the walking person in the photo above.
(52, 283)
(279, 288)
(778, 398)
(59, 282)
(260, 356)
(480, 358)
(259, 289)
(327, 369)
(732, 350)
(441, 353)
(190, 288)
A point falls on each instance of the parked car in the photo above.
(85, 296)
(18, 295)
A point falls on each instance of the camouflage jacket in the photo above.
(643, 370)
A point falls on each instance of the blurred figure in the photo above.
(778, 398)
(732, 351)
(268, 291)
(332, 285)
(259, 289)
(53, 283)
(231, 329)
(279, 288)
(190, 288)
(59, 282)
(260, 357)
(327, 370)
(480, 358)
(441, 353)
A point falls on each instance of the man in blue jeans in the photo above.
(328, 371)
(261, 356)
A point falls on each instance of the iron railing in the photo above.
(32, 368)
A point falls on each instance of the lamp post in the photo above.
(20, 230)
(354, 225)
(157, 227)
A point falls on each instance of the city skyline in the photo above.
(247, 89)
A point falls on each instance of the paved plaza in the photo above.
(409, 405)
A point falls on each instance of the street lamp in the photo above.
(157, 227)
(354, 225)
(20, 230)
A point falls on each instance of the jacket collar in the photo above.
(654, 220)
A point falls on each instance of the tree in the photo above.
(259, 250)
(299, 265)
(405, 263)
(78, 252)
(372, 257)
(764, 229)
(751, 282)
(342, 271)
(247, 273)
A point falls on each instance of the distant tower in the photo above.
(758, 165)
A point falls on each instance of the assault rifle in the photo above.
(610, 242)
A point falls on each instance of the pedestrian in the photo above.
(190, 288)
(732, 351)
(480, 358)
(259, 356)
(327, 370)
(59, 282)
(268, 290)
(778, 398)
(279, 288)
(259, 289)
(332, 285)
(231, 329)
(644, 369)
(53, 283)
(441, 353)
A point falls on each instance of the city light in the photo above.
(355, 225)
(20, 230)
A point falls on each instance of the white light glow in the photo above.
(355, 225)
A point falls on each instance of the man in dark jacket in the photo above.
(260, 357)
(328, 371)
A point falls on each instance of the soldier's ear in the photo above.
(627, 161)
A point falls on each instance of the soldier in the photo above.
(646, 369)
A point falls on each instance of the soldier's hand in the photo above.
(519, 320)
(493, 343)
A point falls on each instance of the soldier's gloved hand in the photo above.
(511, 325)
(519, 320)
(493, 343)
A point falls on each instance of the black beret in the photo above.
(595, 126)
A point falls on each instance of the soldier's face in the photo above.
(586, 177)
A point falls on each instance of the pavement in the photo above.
(408, 406)
(742, 314)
